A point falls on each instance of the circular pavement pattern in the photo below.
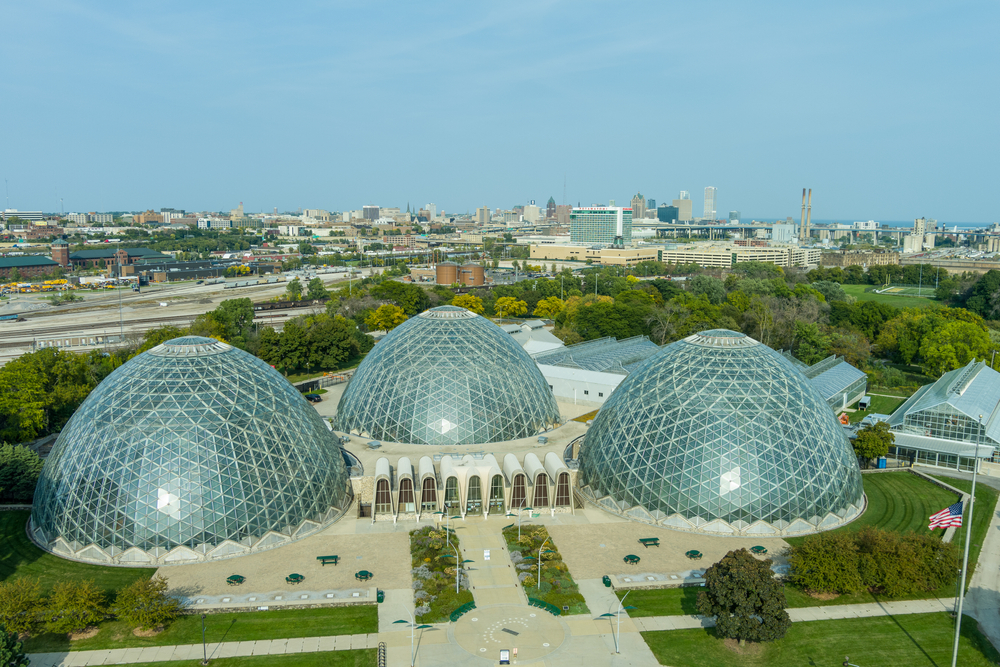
(489, 629)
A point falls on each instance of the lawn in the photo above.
(19, 557)
(436, 598)
(357, 658)
(986, 499)
(913, 640)
(883, 405)
(858, 291)
(233, 627)
(557, 585)
(896, 501)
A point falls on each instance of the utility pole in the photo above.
(968, 539)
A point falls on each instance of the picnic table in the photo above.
(235, 579)
(323, 560)
(363, 575)
(758, 550)
(294, 579)
(694, 555)
(649, 541)
(631, 559)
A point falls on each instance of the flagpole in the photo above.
(968, 539)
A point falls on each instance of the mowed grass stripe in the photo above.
(19, 557)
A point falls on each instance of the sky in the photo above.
(887, 110)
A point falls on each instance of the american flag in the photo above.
(949, 516)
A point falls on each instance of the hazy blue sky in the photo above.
(888, 110)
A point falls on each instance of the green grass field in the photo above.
(249, 626)
(915, 640)
(357, 658)
(858, 291)
(883, 405)
(19, 557)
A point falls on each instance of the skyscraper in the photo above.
(709, 213)
(650, 204)
(550, 209)
(600, 224)
(734, 216)
(638, 207)
(684, 195)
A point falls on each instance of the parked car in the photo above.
(314, 398)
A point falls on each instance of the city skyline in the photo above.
(201, 107)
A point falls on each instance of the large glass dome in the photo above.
(447, 377)
(191, 451)
(719, 433)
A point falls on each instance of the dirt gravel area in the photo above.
(591, 551)
(385, 554)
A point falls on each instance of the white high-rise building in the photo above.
(433, 210)
(709, 213)
(684, 195)
(600, 224)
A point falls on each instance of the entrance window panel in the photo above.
(541, 491)
(474, 497)
(428, 499)
(383, 500)
(496, 495)
(406, 503)
(518, 492)
(562, 490)
(451, 501)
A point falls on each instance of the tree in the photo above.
(72, 606)
(952, 346)
(294, 290)
(873, 441)
(549, 307)
(509, 306)
(19, 470)
(385, 318)
(316, 289)
(713, 288)
(469, 302)
(11, 650)
(745, 599)
(145, 604)
(20, 604)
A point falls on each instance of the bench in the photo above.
(328, 559)
(649, 541)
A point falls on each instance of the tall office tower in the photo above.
(638, 207)
(684, 195)
(600, 224)
(709, 203)
(734, 216)
(650, 204)
(563, 212)
(550, 209)
(432, 209)
(369, 212)
(666, 213)
(483, 215)
(683, 206)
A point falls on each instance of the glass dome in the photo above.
(191, 451)
(447, 377)
(720, 433)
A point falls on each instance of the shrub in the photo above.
(19, 470)
(11, 650)
(827, 563)
(145, 604)
(73, 606)
(20, 605)
(747, 601)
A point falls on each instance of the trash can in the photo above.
(380, 596)
(607, 581)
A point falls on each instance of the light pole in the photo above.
(538, 583)
(204, 646)
(618, 614)
(519, 510)
(413, 629)
(968, 539)
(458, 564)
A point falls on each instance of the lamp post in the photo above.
(204, 646)
(618, 614)
(519, 510)
(413, 629)
(538, 583)
(968, 539)
(458, 564)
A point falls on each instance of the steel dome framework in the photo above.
(192, 450)
(447, 377)
(719, 433)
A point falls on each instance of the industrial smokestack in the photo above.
(809, 212)
(802, 220)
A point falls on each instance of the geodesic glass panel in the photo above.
(720, 428)
(447, 377)
(189, 444)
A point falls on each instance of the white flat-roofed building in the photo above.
(600, 224)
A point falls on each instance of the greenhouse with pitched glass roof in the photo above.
(447, 377)
(719, 433)
(193, 450)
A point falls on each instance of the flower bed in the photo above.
(557, 587)
(434, 577)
